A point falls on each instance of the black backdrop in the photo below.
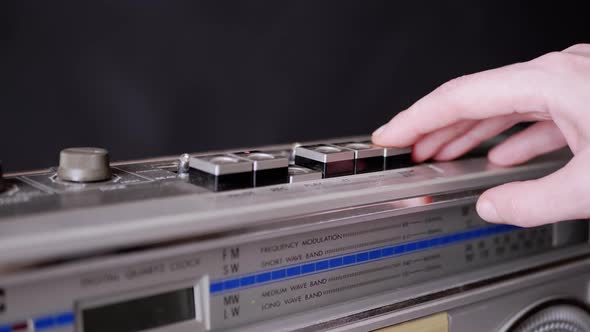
(151, 77)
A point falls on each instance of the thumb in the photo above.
(563, 195)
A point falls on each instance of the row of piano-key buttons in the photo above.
(263, 168)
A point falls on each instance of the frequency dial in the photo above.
(84, 165)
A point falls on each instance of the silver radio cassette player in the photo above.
(335, 235)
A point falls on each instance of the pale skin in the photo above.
(553, 90)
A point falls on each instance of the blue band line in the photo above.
(345, 261)
(48, 322)
(294, 271)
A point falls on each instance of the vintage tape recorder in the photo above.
(335, 235)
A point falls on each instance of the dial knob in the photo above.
(84, 165)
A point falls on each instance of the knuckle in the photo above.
(515, 212)
(578, 47)
(549, 58)
(449, 93)
(475, 135)
(452, 85)
(559, 61)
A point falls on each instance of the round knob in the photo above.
(84, 165)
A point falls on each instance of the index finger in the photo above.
(518, 88)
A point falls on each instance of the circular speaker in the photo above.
(555, 318)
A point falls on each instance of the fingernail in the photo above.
(379, 130)
(487, 211)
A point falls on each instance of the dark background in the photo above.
(146, 78)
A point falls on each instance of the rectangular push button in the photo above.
(367, 157)
(300, 174)
(221, 172)
(270, 167)
(331, 160)
(397, 158)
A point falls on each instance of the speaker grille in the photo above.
(556, 318)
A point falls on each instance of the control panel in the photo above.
(188, 289)
(282, 238)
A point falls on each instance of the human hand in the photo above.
(554, 90)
